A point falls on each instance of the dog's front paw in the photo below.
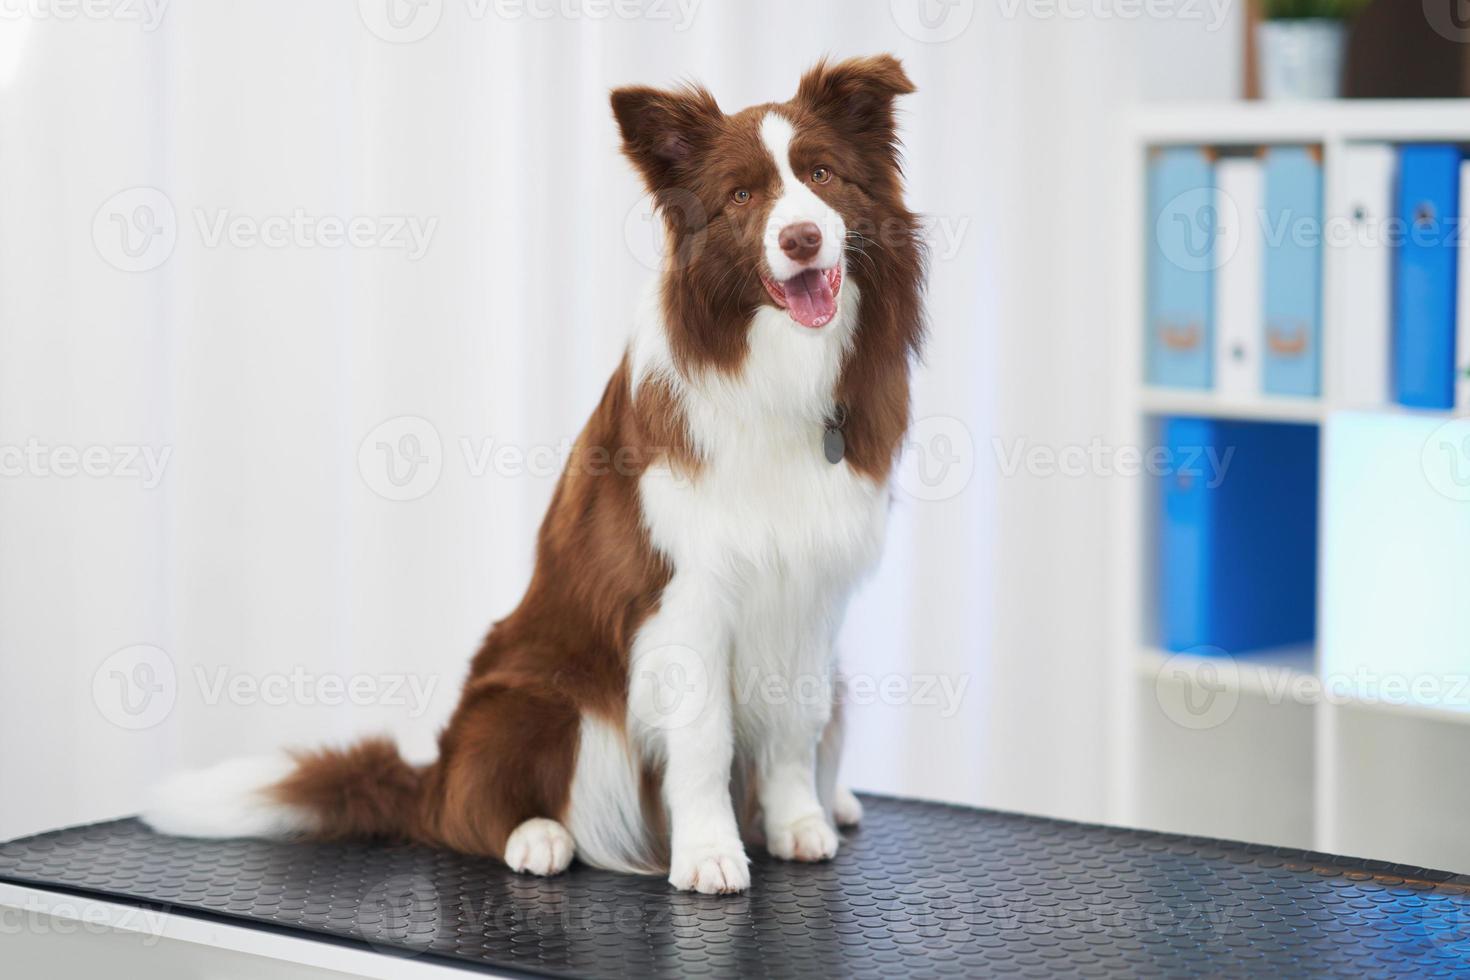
(716, 869)
(539, 847)
(808, 839)
(846, 809)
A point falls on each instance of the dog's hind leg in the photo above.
(838, 800)
(504, 776)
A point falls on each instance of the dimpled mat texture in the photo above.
(922, 890)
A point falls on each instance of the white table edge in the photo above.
(19, 902)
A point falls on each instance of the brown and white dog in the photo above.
(649, 705)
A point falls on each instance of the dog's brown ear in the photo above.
(857, 94)
(664, 130)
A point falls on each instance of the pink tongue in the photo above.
(809, 298)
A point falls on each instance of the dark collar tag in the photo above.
(834, 443)
(834, 446)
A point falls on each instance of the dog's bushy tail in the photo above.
(363, 791)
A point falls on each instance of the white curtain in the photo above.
(236, 239)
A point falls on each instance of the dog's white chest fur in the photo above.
(766, 504)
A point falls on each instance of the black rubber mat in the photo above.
(921, 890)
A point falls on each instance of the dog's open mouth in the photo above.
(810, 298)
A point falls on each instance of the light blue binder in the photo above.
(1182, 227)
(1292, 358)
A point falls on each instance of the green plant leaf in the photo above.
(1311, 9)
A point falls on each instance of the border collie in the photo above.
(664, 694)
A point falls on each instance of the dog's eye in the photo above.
(741, 196)
(821, 175)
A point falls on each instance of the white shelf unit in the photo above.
(1375, 781)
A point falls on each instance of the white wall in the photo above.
(264, 553)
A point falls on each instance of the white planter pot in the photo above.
(1301, 59)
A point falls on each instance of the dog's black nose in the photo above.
(801, 241)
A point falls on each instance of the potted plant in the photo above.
(1299, 44)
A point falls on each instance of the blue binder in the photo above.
(1237, 562)
(1424, 298)
(1181, 234)
(1292, 360)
